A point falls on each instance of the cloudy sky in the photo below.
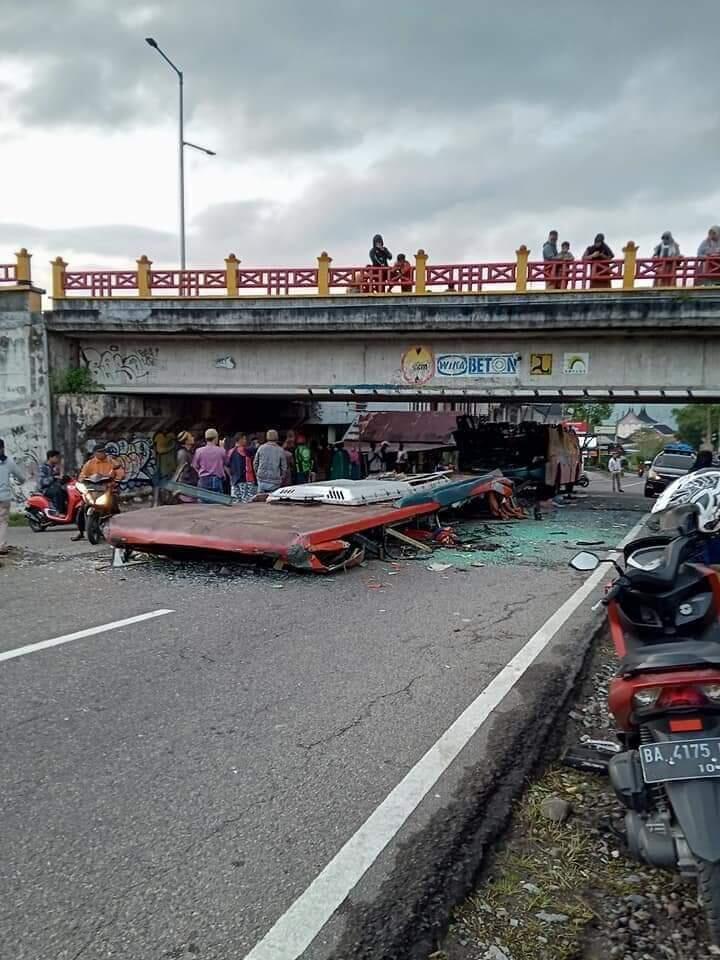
(466, 127)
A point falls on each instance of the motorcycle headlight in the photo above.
(103, 500)
(646, 697)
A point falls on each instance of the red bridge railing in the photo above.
(521, 275)
(8, 273)
(16, 274)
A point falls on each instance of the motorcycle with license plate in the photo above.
(664, 617)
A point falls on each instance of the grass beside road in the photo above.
(542, 887)
(569, 891)
(17, 520)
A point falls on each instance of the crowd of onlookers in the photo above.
(381, 275)
(244, 467)
(558, 275)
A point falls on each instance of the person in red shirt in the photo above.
(402, 272)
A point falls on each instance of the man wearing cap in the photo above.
(209, 463)
(99, 465)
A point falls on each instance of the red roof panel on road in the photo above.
(253, 529)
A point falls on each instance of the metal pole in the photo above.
(181, 151)
(181, 144)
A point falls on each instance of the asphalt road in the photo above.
(170, 787)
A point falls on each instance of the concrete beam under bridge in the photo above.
(650, 346)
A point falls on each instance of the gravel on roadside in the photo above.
(560, 885)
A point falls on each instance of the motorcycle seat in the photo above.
(675, 552)
(681, 654)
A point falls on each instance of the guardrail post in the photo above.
(143, 276)
(521, 269)
(630, 264)
(58, 278)
(323, 262)
(231, 277)
(421, 259)
(22, 267)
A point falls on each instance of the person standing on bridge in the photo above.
(599, 253)
(402, 273)
(550, 254)
(708, 272)
(668, 251)
(380, 258)
(563, 267)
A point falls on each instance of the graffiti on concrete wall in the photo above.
(23, 446)
(146, 461)
(137, 456)
(113, 366)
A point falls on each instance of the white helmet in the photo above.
(700, 489)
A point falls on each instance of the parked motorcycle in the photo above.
(100, 499)
(41, 514)
(664, 617)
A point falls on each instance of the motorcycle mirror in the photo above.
(585, 561)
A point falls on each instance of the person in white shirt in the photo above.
(615, 468)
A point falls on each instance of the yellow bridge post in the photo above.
(629, 266)
(521, 270)
(323, 262)
(421, 259)
(143, 276)
(58, 278)
(22, 267)
(231, 279)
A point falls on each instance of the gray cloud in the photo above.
(510, 119)
(288, 76)
(123, 241)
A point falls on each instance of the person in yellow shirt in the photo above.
(100, 464)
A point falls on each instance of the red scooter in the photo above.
(41, 513)
(664, 618)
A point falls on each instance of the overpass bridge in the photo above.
(163, 345)
(648, 345)
(621, 329)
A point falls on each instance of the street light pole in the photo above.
(181, 152)
(182, 143)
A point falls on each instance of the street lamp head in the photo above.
(195, 146)
(151, 42)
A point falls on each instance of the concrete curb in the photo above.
(436, 865)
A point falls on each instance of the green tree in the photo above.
(692, 422)
(649, 444)
(591, 413)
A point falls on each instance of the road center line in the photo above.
(78, 635)
(302, 922)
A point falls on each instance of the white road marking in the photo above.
(78, 635)
(302, 922)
